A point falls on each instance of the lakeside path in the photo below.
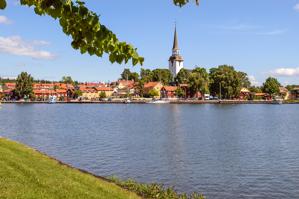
(145, 102)
(27, 173)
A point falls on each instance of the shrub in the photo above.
(153, 191)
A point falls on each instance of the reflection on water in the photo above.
(223, 151)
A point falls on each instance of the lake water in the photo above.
(222, 151)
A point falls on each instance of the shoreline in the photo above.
(121, 188)
(146, 102)
(65, 173)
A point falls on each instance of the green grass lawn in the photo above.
(26, 173)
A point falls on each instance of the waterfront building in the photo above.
(45, 94)
(295, 93)
(176, 61)
(244, 94)
(46, 86)
(123, 84)
(157, 86)
(168, 92)
(107, 90)
(89, 94)
(261, 96)
(284, 93)
(10, 86)
(124, 87)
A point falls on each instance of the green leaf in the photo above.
(2, 4)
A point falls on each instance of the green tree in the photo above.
(184, 2)
(134, 76)
(77, 93)
(271, 86)
(24, 86)
(140, 87)
(245, 82)
(162, 75)
(146, 75)
(67, 80)
(153, 93)
(256, 89)
(198, 81)
(291, 87)
(102, 95)
(88, 34)
(56, 87)
(183, 76)
(127, 74)
(179, 92)
(226, 79)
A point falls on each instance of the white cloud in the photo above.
(296, 7)
(252, 29)
(286, 72)
(273, 32)
(17, 46)
(238, 27)
(4, 20)
(40, 43)
(253, 81)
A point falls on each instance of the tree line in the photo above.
(223, 81)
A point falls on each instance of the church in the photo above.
(176, 61)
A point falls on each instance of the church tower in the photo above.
(176, 61)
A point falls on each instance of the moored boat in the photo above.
(52, 99)
(159, 102)
(277, 100)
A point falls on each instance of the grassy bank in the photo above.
(25, 173)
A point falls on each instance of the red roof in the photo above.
(43, 92)
(260, 94)
(60, 90)
(87, 90)
(104, 89)
(10, 85)
(151, 84)
(126, 82)
(169, 88)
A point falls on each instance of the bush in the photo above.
(153, 191)
(153, 93)
(102, 95)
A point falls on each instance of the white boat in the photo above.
(277, 100)
(52, 99)
(127, 101)
(159, 102)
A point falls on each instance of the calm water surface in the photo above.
(222, 151)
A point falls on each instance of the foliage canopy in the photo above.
(271, 86)
(24, 86)
(83, 25)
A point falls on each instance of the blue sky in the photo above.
(259, 37)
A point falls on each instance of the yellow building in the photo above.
(157, 86)
(89, 94)
(107, 90)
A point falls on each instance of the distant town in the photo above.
(173, 84)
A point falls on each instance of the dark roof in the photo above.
(175, 41)
(176, 58)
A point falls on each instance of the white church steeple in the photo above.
(176, 61)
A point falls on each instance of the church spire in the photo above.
(175, 41)
(176, 61)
